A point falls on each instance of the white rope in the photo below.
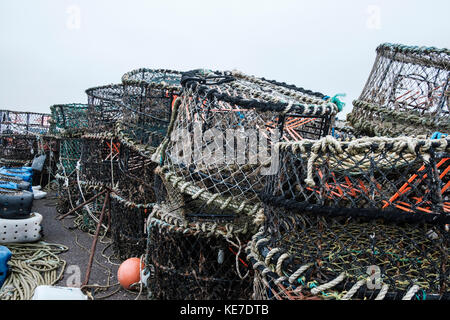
(411, 292)
(382, 292)
(328, 285)
(354, 289)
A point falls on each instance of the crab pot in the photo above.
(89, 215)
(109, 162)
(24, 122)
(100, 160)
(406, 93)
(224, 126)
(194, 262)
(17, 150)
(68, 196)
(148, 99)
(368, 176)
(137, 175)
(68, 118)
(128, 228)
(69, 155)
(314, 255)
(104, 107)
(337, 212)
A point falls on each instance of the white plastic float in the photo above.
(21, 230)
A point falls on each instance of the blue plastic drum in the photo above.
(5, 255)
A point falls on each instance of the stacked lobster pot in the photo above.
(366, 217)
(24, 138)
(407, 93)
(148, 98)
(126, 123)
(213, 164)
(68, 122)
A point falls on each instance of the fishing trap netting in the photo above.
(316, 256)
(340, 215)
(69, 156)
(148, 98)
(17, 150)
(24, 122)
(128, 229)
(195, 260)
(104, 107)
(223, 125)
(69, 119)
(407, 93)
(68, 122)
(377, 176)
(25, 135)
(99, 159)
(68, 194)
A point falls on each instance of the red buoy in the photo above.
(129, 272)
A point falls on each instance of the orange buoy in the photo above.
(129, 272)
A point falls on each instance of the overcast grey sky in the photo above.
(52, 50)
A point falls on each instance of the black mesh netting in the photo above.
(148, 99)
(110, 163)
(25, 135)
(407, 93)
(195, 260)
(128, 229)
(222, 129)
(17, 150)
(104, 107)
(310, 255)
(99, 160)
(68, 196)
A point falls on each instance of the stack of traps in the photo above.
(206, 211)
(366, 217)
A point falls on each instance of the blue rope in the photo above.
(438, 135)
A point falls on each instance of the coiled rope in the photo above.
(32, 265)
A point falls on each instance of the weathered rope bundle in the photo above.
(195, 260)
(32, 265)
(222, 129)
(407, 93)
